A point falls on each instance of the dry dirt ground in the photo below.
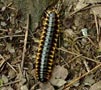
(77, 65)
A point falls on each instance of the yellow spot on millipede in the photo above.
(38, 54)
(50, 64)
(51, 56)
(37, 58)
(51, 60)
(36, 65)
(53, 48)
(55, 44)
(46, 19)
(36, 72)
(49, 71)
(56, 40)
(40, 45)
(44, 27)
(41, 40)
(58, 25)
(42, 36)
(57, 35)
(37, 61)
(48, 11)
(58, 30)
(49, 68)
(43, 32)
(52, 52)
(44, 23)
(58, 20)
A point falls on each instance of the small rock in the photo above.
(96, 86)
(5, 79)
(11, 74)
(3, 23)
(24, 87)
(58, 76)
(46, 86)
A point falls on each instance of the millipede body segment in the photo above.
(47, 45)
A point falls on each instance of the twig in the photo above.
(88, 39)
(96, 23)
(25, 42)
(3, 30)
(77, 10)
(86, 65)
(87, 58)
(74, 58)
(20, 72)
(7, 36)
(33, 87)
(64, 60)
(91, 42)
(84, 8)
(10, 4)
(73, 81)
(2, 62)
(11, 67)
(90, 59)
(9, 83)
(98, 56)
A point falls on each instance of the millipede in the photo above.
(47, 45)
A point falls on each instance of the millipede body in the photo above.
(47, 45)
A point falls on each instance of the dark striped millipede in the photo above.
(47, 45)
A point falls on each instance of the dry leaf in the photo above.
(10, 48)
(93, 1)
(23, 80)
(97, 11)
(60, 72)
(11, 74)
(3, 88)
(99, 23)
(69, 32)
(96, 86)
(9, 88)
(24, 87)
(5, 79)
(3, 23)
(58, 82)
(58, 76)
(81, 5)
(46, 86)
(99, 49)
(89, 80)
(76, 84)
